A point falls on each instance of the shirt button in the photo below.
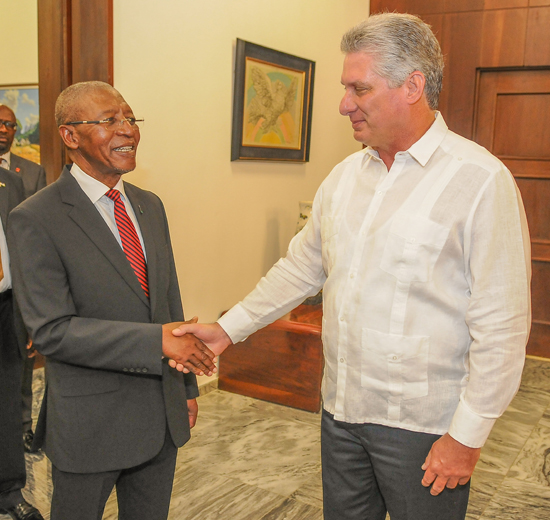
(132, 370)
(352, 275)
(342, 360)
(341, 318)
(144, 370)
(394, 358)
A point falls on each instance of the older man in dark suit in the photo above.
(34, 179)
(12, 346)
(96, 282)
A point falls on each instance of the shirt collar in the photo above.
(92, 187)
(426, 146)
(7, 156)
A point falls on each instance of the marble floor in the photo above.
(252, 460)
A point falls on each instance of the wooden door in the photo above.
(512, 120)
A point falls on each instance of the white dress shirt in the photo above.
(96, 191)
(426, 273)
(5, 283)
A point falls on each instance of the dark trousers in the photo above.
(143, 492)
(369, 470)
(12, 456)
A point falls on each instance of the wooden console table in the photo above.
(281, 363)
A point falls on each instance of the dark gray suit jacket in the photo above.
(33, 175)
(11, 194)
(109, 396)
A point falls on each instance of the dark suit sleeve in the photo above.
(176, 309)
(42, 289)
(41, 182)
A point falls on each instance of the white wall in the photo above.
(230, 221)
(19, 63)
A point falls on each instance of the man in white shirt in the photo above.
(421, 245)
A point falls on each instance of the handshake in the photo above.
(192, 346)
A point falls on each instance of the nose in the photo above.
(346, 104)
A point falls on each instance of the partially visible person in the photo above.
(95, 280)
(421, 246)
(34, 179)
(33, 175)
(12, 350)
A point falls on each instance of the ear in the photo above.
(415, 84)
(69, 136)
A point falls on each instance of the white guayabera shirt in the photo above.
(426, 273)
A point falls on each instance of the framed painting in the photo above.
(23, 100)
(272, 104)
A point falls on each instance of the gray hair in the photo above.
(399, 44)
(68, 104)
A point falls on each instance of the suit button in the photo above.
(132, 370)
(144, 370)
(125, 370)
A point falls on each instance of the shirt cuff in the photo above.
(237, 324)
(469, 428)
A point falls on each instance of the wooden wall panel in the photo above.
(453, 6)
(74, 44)
(535, 3)
(523, 110)
(54, 70)
(537, 44)
(505, 4)
(503, 38)
(461, 45)
(85, 63)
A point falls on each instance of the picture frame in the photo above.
(272, 105)
(23, 100)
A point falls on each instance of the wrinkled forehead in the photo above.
(101, 103)
(6, 114)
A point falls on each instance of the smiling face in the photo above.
(376, 111)
(6, 134)
(103, 153)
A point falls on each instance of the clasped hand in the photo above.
(187, 353)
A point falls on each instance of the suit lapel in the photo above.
(14, 163)
(144, 220)
(86, 216)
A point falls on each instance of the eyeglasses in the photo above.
(10, 125)
(111, 123)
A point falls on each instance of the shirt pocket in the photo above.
(329, 236)
(413, 247)
(394, 366)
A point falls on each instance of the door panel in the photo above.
(511, 121)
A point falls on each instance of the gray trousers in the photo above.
(143, 492)
(370, 470)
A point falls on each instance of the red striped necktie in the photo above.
(130, 240)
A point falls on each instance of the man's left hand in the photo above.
(449, 464)
(193, 408)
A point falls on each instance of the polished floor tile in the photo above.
(253, 460)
